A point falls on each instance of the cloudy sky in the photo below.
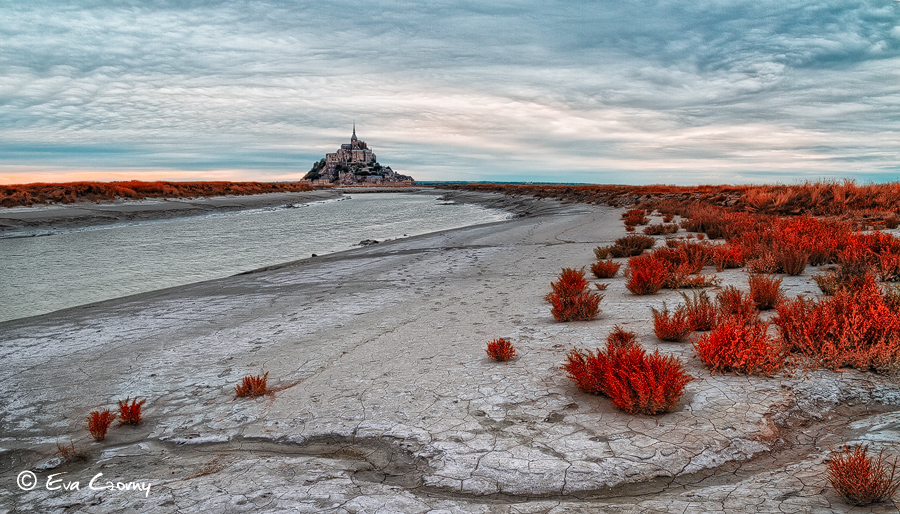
(637, 92)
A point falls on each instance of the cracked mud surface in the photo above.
(390, 404)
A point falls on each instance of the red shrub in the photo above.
(655, 230)
(702, 314)
(858, 326)
(620, 337)
(765, 291)
(631, 245)
(252, 386)
(98, 423)
(635, 217)
(571, 300)
(671, 326)
(635, 381)
(605, 269)
(646, 274)
(501, 350)
(860, 479)
(731, 301)
(791, 260)
(130, 414)
(740, 347)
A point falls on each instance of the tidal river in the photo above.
(74, 267)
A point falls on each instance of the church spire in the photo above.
(354, 131)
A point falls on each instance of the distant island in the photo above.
(353, 163)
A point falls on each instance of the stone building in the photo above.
(355, 152)
(353, 163)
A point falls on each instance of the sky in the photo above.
(626, 92)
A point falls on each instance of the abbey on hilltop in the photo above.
(353, 163)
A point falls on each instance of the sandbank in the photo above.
(388, 403)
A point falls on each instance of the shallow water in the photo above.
(75, 267)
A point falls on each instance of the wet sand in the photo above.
(387, 400)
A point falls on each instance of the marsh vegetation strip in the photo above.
(74, 267)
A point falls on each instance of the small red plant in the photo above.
(765, 291)
(252, 386)
(501, 350)
(671, 326)
(646, 274)
(635, 217)
(861, 479)
(637, 382)
(740, 347)
(702, 314)
(98, 423)
(571, 299)
(731, 301)
(631, 245)
(605, 269)
(130, 414)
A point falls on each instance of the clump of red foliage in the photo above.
(571, 299)
(765, 291)
(98, 423)
(655, 230)
(605, 269)
(731, 301)
(30, 194)
(861, 479)
(635, 217)
(701, 312)
(646, 275)
(671, 326)
(70, 454)
(631, 245)
(673, 266)
(501, 350)
(252, 386)
(858, 326)
(739, 346)
(635, 381)
(130, 413)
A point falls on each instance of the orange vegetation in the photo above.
(40, 193)
(571, 299)
(860, 479)
(252, 386)
(98, 423)
(501, 350)
(637, 382)
(130, 414)
(735, 345)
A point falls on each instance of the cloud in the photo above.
(683, 91)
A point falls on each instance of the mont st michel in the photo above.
(353, 163)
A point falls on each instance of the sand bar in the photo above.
(389, 402)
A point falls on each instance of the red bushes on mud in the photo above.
(252, 386)
(735, 345)
(858, 326)
(671, 326)
(501, 350)
(571, 299)
(98, 423)
(130, 414)
(765, 291)
(860, 479)
(29, 194)
(605, 269)
(635, 381)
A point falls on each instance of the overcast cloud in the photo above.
(618, 92)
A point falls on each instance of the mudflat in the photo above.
(385, 400)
